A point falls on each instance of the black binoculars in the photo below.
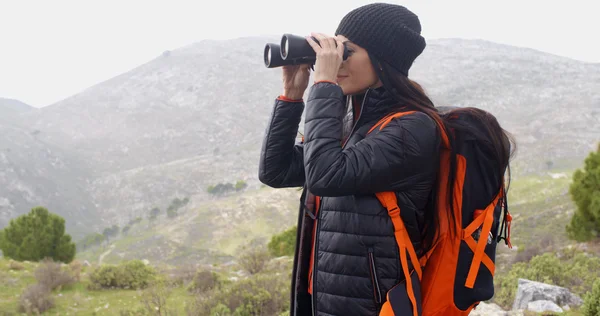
(293, 50)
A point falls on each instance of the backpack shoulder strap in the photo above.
(387, 119)
(389, 201)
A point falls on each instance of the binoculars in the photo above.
(293, 50)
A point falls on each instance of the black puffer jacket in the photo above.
(356, 255)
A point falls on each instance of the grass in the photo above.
(541, 207)
(77, 299)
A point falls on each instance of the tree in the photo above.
(106, 233)
(37, 235)
(240, 185)
(254, 260)
(585, 192)
(134, 221)
(111, 232)
(221, 188)
(90, 240)
(154, 212)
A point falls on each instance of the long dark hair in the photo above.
(411, 95)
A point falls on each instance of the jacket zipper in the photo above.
(374, 277)
(314, 270)
(318, 217)
(362, 107)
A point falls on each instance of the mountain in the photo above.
(12, 106)
(550, 103)
(38, 172)
(195, 117)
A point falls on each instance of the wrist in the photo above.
(328, 81)
(293, 94)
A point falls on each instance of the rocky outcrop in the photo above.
(544, 306)
(490, 309)
(535, 295)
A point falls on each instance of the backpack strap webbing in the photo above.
(387, 119)
(485, 219)
(389, 201)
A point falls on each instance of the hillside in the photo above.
(35, 171)
(195, 117)
(12, 106)
(214, 230)
(206, 232)
(550, 103)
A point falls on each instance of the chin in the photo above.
(350, 90)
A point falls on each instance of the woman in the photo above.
(346, 254)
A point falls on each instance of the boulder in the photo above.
(485, 309)
(544, 306)
(490, 309)
(531, 291)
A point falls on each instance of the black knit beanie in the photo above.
(389, 32)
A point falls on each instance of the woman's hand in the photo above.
(295, 81)
(330, 55)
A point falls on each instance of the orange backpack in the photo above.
(457, 273)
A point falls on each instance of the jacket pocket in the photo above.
(374, 277)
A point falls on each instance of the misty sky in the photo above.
(50, 50)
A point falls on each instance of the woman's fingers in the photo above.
(340, 48)
(313, 44)
(323, 40)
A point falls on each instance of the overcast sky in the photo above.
(50, 50)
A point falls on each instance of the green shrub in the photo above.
(132, 274)
(135, 274)
(240, 185)
(254, 260)
(265, 293)
(104, 276)
(204, 281)
(283, 244)
(224, 188)
(574, 270)
(591, 304)
(220, 310)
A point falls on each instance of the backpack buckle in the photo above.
(394, 211)
(308, 212)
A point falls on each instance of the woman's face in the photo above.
(356, 73)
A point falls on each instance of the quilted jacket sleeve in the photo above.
(393, 159)
(281, 158)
